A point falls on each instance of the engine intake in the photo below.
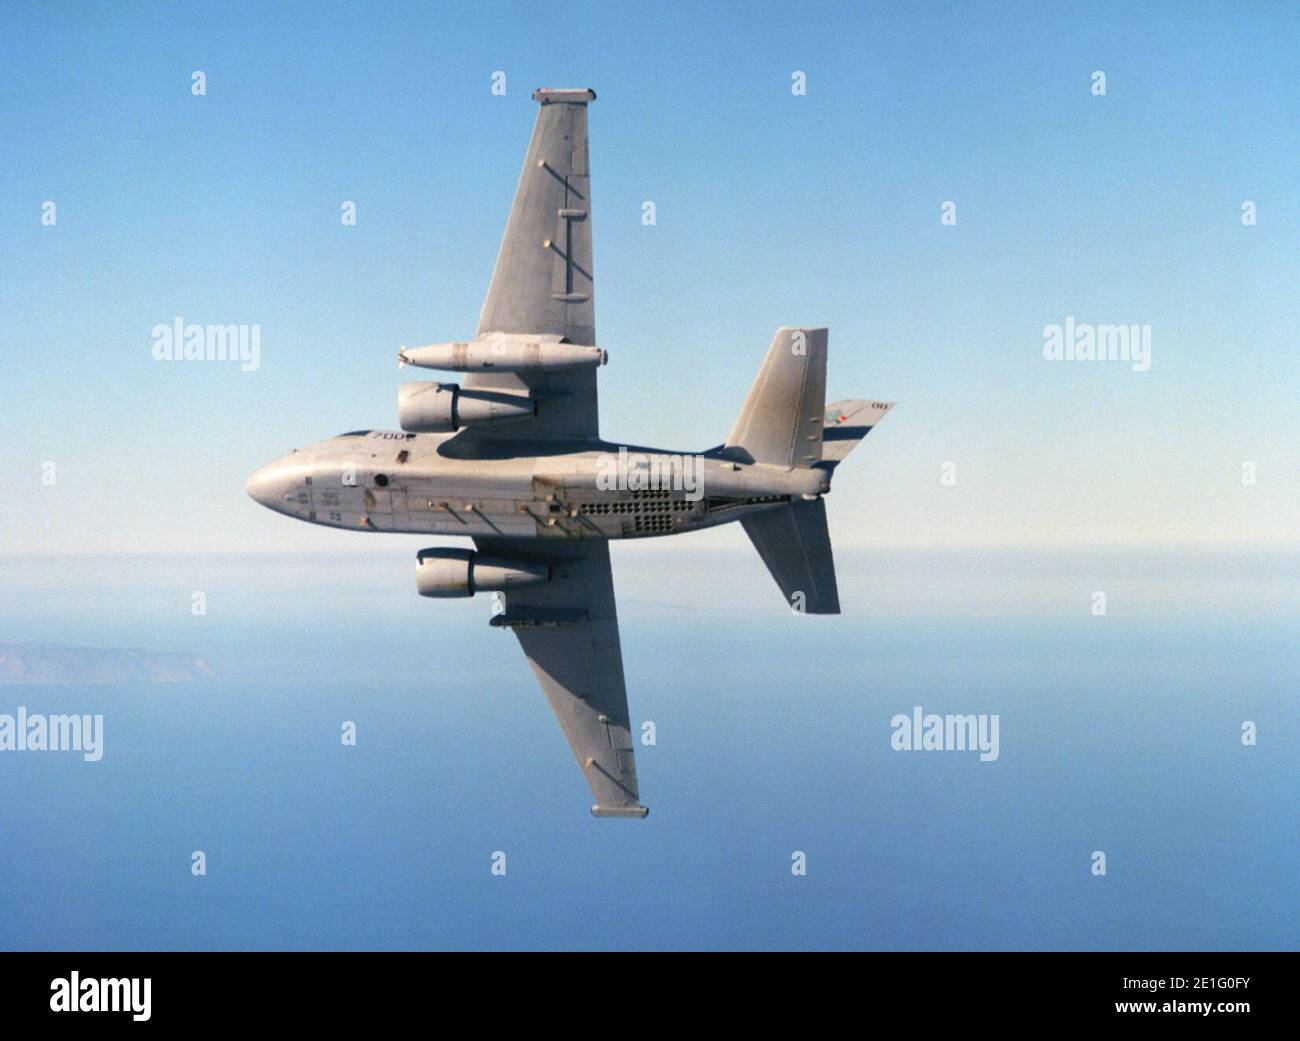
(444, 408)
(463, 572)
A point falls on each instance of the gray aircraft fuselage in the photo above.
(446, 484)
(511, 458)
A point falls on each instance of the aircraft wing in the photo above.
(542, 284)
(568, 629)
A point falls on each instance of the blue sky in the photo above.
(771, 209)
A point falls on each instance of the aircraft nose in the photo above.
(269, 486)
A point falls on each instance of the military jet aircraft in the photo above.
(513, 460)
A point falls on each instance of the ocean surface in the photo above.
(1119, 733)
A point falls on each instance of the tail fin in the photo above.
(796, 547)
(781, 422)
(847, 423)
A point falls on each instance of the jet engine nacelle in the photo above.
(503, 353)
(443, 408)
(463, 572)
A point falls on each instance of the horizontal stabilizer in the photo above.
(795, 544)
(781, 421)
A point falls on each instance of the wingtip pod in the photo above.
(620, 811)
(547, 95)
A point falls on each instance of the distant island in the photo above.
(47, 664)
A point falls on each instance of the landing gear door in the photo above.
(556, 506)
